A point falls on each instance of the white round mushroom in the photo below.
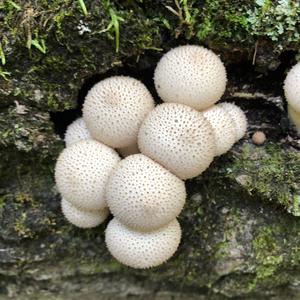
(142, 250)
(143, 195)
(114, 109)
(83, 218)
(179, 138)
(82, 171)
(292, 87)
(294, 117)
(223, 127)
(191, 75)
(238, 117)
(76, 132)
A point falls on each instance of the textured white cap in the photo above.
(83, 218)
(143, 195)
(238, 117)
(191, 75)
(114, 109)
(292, 87)
(142, 250)
(294, 117)
(179, 138)
(223, 126)
(76, 132)
(82, 171)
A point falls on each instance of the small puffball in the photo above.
(129, 150)
(238, 117)
(258, 138)
(292, 87)
(223, 126)
(83, 218)
(294, 117)
(190, 75)
(82, 171)
(179, 138)
(142, 250)
(76, 132)
(143, 195)
(114, 109)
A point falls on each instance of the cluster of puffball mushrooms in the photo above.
(162, 146)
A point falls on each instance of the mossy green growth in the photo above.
(60, 46)
(248, 22)
(268, 253)
(271, 172)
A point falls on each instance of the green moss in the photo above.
(271, 172)
(268, 253)
(246, 22)
(59, 47)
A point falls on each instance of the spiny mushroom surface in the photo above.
(82, 171)
(143, 195)
(142, 250)
(294, 117)
(238, 117)
(292, 87)
(191, 75)
(76, 132)
(114, 109)
(223, 127)
(83, 218)
(179, 138)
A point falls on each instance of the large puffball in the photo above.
(179, 138)
(143, 195)
(142, 250)
(223, 127)
(238, 117)
(83, 218)
(191, 75)
(114, 109)
(292, 87)
(82, 171)
(294, 117)
(76, 132)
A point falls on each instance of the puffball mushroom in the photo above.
(114, 109)
(238, 117)
(83, 218)
(292, 87)
(179, 138)
(190, 75)
(142, 250)
(82, 171)
(76, 132)
(143, 195)
(223, 127)
(292, 95)
(294, 117)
